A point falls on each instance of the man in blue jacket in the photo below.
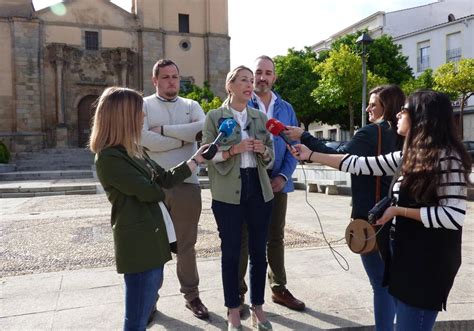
(275, 107)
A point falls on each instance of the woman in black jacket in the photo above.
(384, 103)
(426, 222)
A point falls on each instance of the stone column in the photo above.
(29, 135)
(123, 67)
(59, 92)
(61, 129)
(218, 56)
(152, 49)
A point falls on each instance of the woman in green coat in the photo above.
(134, 185)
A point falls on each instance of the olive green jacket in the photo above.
(224, 177)
(140, 238)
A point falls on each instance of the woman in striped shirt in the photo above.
(427, 220)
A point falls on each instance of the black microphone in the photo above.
(225, 129)
(377, 211)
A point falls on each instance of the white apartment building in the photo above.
(430, 35)
(436, 45)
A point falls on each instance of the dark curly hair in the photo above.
(432, 134)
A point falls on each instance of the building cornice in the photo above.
(434, 27)
(349, 29)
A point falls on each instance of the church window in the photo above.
(183, 20)
(92, 40)
(185, 44)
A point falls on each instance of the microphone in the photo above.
(276, 128)
(377, 211)
(225, 129)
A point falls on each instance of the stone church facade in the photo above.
(55, 62)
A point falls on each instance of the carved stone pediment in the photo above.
(90, 67)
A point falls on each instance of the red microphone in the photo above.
(276, 128)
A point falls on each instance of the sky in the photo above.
(271, 27)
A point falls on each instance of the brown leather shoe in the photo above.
(198, 308)
(285, 298)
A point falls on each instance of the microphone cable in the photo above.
(337, 256)
(333, 251)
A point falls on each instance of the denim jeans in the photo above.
(255, 212)
(141, 293)
(410, 318)
(275, 247)
(384, 303)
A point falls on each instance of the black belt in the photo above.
(248, 171)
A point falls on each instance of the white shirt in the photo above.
(269, 112)
(247, 159)
(261, 105)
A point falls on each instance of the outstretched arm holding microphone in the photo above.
(225, 130)
(378, 137)
(426, 223)
(278, 129)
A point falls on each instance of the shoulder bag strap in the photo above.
(378, 180)
(394, 179)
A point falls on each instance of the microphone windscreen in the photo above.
(227, 126)
(274, 126)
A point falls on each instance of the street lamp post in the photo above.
(364, 40)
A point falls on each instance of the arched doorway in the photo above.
(85, 111)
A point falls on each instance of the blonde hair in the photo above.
(231, 77)
(118, 121)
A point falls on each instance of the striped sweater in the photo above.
(451, 210)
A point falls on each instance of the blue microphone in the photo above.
(225, 129)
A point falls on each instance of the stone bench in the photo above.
(328, 186)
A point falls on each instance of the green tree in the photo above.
(295, 82)
(424, 81)
(203, 95)
(215, 103)
(384, 57)
(456, 79)
(341, 85)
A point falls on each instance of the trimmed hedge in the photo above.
(4, 153)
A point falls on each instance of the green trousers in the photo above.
(275, 247)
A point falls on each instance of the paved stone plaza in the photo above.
(57, 270)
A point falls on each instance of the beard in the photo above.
(263, 88)
(171, 94)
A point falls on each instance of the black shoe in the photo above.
(152, 315)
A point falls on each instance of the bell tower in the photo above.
(16, 8)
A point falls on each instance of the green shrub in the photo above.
(4, 153)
